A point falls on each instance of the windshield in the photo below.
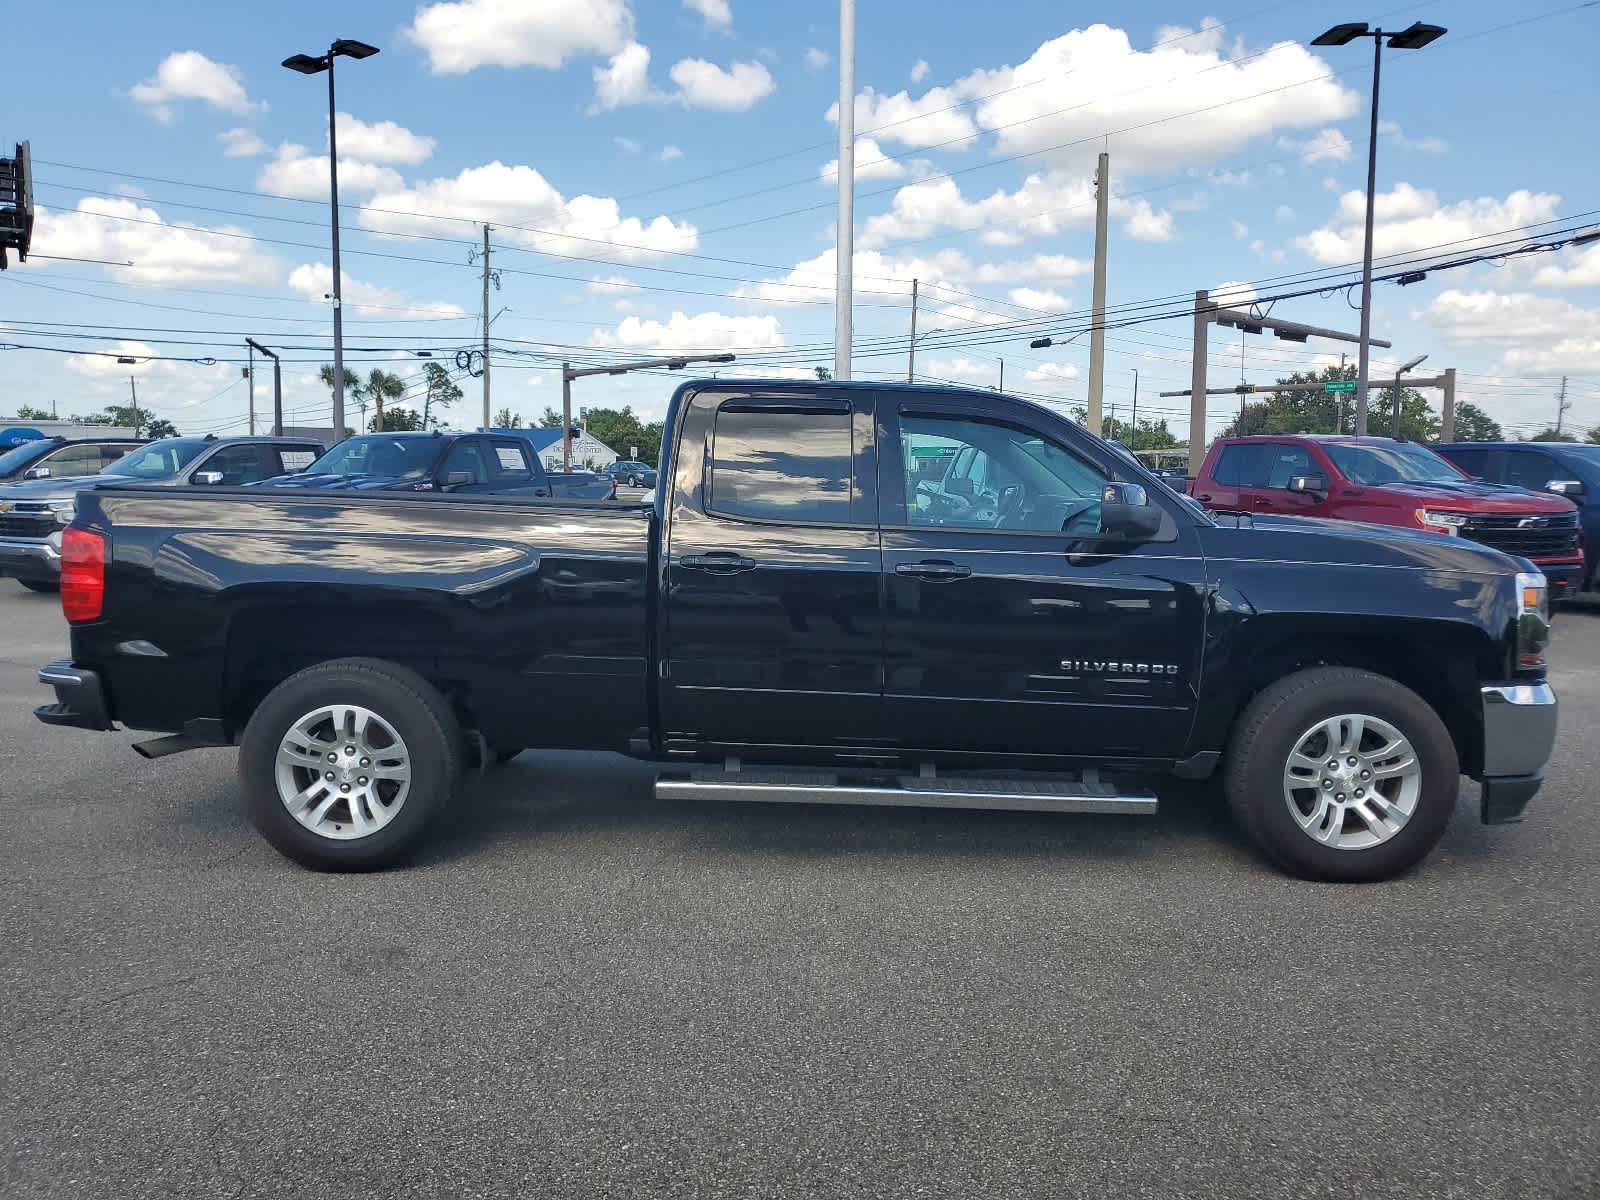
(1399, 463)
(158, 460)
(379, 454)
(21, 456)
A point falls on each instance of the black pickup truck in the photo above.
(849, 593)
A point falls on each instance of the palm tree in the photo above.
(380, 386)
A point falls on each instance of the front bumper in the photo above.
(1519, 732)
(80, 698)
(28, 559)
(1565, 579)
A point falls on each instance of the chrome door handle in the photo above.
(933, 571)
(720, 562)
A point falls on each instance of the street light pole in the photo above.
(570, 372)
(1415, 37)
(308, 64)
(1394, 427)
(277, 390)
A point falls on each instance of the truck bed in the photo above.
(536, 613)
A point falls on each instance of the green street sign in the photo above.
(1339, 385)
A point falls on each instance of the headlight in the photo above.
(1441, 522)
(64, 510)
(1533, 619)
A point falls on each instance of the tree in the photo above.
(550, 419)
(91, 419)
(398, 420)
(442, 392)
(1593, 436)
(1475, 425)
(1150, 435)
(381, 386)
(27, 412)
(1333, 412)
(506, 419)
(160, 428)
(141, 420)
(823, 373)
(352, 384)
(1550, 435)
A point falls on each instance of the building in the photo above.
(588, 453)
(13, 432)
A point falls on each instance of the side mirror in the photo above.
(208, 478)
(1126, 512)
(1565, 487)
(455, 479)
(1309, 485)
(36, 473)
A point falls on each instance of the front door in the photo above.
(1011, 623)
(771, 627)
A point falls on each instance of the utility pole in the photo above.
(844, 286)
(1447, 424)
(250, 373)
(1002, 386)
(134, 388)
(1134, 423)
(1197, 381)
(566, 416)
(1097, 339)
(1561, 406)
(911, 358)
(486, 326)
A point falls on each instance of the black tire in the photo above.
(401, 697)
(1269, 730)
(633, 481)
(40, 585)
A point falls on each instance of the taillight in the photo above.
(83, 574)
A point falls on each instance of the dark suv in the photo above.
(1565, 468)
(62, 458)
(631, 472)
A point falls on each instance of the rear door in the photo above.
(771, 572)
(1013, 622)
(248, 462)
(72, 462)
(1240, 468)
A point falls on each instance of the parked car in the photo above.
(62, 458)
(1562, 468)
(468, 463)
(632, 473)
(1389, 482)
(799, 618)
(33, 514)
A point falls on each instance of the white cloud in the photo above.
(878, 275)
(716, 13)
(190, 75)
(101, 366)
(1043, 299)
(1240, 230)
(871, 163)
(985, 371)
(668, 154)
(1233, 293)
(1284, 213)
(627, 145)
(611, 284)
(381, 142)
(166, 254)
(509, 196)
(890, 116)
(710, 331)
(625, 79)
(1541, 334)
(817, 59)
(1411, 218)
(293, 172)
(1329, 145)
(315, 280)
(1143, 223)
(702, 84)
(1579, 268)
(919, 70)
(1051, 376)
(241, 143)
(1424, 145)
(462, 35)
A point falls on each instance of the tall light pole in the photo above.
(308, 64)
(845, 248)
(1415, 37)
(1394, 428)
(277, 390)
(569, 373)
(1133, 424)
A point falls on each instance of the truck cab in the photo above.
(1386, 481)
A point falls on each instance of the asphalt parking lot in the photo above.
(581, 992)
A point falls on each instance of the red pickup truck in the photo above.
(1391, 482)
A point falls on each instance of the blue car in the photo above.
(1568, 469)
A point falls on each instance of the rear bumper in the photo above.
(26, 559)
(1519, 732)
(80, 698)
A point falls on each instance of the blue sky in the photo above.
(655, 175)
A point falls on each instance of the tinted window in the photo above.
(158, 460)
(508, 464)
(1473, 462)
(19, 457)
(999, 477)
(1284, 462)
(243, 464)
(380, 454)
(781, 464)
(468, 457)
(1242, 464)
(1530, 469)
(70, 462)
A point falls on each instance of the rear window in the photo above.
(781, 464)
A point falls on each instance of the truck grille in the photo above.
(1532, 537)
(28, 520)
